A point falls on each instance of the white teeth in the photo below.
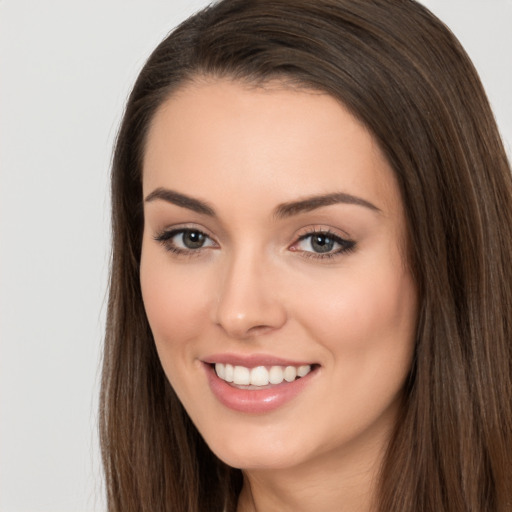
(276, 375)
(302, 371)
(229, 373)
(290, 372)
(260, 375)
(221, 370)
(242, 376)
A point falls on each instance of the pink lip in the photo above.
(255, 401)
(252, 360)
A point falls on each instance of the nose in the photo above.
(248, 299)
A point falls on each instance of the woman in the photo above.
(310, 294)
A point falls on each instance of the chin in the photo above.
(258, 459)
(263, 448)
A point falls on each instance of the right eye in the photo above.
(184, 240)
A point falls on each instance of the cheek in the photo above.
(374, 291)
(364, 317)
(367, 325)
(175, 300)
(176, 304)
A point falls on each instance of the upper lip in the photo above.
(253, 360)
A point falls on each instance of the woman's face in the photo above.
(273, 247)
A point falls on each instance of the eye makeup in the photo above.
(318, 243)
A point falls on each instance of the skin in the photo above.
(257, 286)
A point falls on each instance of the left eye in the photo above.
(323, 243)
(185, 239)
(191, 239)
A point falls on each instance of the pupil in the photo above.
(322, 243)
(193, 239)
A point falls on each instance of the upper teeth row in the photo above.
(260, 375)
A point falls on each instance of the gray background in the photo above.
(66, 68)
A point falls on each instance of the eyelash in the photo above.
(346, 246)
(165, 238)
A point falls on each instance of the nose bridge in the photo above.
(248, 301)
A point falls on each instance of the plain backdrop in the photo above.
(66, 68)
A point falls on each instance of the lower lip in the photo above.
(255, 401)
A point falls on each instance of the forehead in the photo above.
(274, 141)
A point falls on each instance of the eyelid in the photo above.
(165, 236)
(177, 228)
(345, 242)
(311, 229)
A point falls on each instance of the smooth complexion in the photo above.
(240, 264)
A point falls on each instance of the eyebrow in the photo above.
(318, 201)
(282, 211)
(171, 196)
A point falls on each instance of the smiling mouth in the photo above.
(260, 377)
(262, 386)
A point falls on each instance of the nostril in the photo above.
(259, 329)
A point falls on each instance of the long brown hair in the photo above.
(401, 72)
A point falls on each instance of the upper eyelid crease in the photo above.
(172, 232)
(328, 234)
